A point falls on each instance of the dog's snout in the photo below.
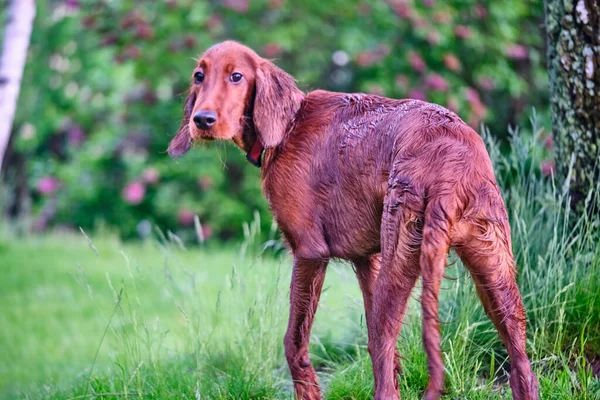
(205, 119)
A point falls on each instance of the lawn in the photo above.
(152, 319)
(92, 317)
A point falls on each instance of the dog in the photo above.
(389, 185)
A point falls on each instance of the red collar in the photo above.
(255, 153)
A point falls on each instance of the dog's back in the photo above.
(345, 152)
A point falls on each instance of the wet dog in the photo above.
(390, 185)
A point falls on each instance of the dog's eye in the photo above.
(198, 77)
(236, 77)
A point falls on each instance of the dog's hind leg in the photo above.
(486, 252)
(400, 245)
(434, 251)
(367, 270)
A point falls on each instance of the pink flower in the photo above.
(471, 95)
(189, 41)
(416, 94)
(370, 57)
(486, 82)
(205, 182)
(516, 52)
(434, 37)
(429, 3)
(463, 32)
(442, 18)
(436, 82)
(89, 21)
(401, 8)
(132, 52)
(131, 19)
(419, 23)
(207, 231)
(134, 192)
(480, 11)
(452, 62)
(416, 61)
(72, 4)
(402, 81)
(549, 143)
(239, 6)
(547, 167)
(144, 31)
(75, 136)
(151, 175)
(109, 39)
(271, 50)
(478, 109)
(214, 22)
(376, 90)
(149, 97)
(48, 185)
(119, 58)
(276, 3)
(186, 217)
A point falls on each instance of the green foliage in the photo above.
(105, 82)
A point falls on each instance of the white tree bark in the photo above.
(12, 62)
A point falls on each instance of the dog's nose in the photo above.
(205, 119)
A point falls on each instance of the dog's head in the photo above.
(239, 96)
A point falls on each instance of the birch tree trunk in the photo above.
(573, 28)
(12, 62)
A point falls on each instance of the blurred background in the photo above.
(104, 84)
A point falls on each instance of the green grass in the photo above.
(151, 320)
(176, 321)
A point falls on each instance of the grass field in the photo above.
(95, 318)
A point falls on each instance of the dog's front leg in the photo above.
(305, 290)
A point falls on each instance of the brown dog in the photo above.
(390, 185)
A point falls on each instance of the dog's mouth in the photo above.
(201, 135)
(209, 135)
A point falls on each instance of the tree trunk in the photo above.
(573, 28)
(14, 53)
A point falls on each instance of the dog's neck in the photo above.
(255, 154)
(250, 140)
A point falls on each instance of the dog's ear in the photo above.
(182, 141)
(276, 101)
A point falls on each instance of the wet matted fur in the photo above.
(390, 185)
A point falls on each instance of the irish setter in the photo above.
(390, 185)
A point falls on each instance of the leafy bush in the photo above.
(105, 82)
